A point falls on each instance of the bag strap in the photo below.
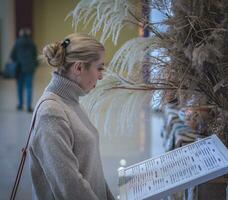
(24, 153)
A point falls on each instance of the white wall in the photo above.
(7, 29)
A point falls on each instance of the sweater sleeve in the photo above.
(52, 147)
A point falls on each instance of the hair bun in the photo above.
(54, 54)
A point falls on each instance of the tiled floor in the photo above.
(14, 130)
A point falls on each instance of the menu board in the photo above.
(175, 170)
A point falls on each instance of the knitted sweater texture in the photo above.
(65, 161)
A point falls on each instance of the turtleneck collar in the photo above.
(64, 87)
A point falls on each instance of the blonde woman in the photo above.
(64, 152)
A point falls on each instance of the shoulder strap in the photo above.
(24, 152)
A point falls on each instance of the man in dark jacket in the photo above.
(24, 53)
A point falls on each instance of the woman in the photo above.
(64, 152)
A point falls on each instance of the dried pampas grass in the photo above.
(115, 111)
(107, 16)
(191, 54)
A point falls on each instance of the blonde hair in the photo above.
(75, 47)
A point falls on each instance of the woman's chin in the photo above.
(89, 89)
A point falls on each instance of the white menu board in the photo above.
(175, 170)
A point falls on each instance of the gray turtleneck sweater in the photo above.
(64, 152)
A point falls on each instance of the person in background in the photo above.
(24, 53)
(65, 160)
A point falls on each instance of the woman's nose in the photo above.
(100, 76)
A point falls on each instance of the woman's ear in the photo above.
(77, 68)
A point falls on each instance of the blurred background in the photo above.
(46, 19)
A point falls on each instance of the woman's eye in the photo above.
(101, 68)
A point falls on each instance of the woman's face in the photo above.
(89, 77)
